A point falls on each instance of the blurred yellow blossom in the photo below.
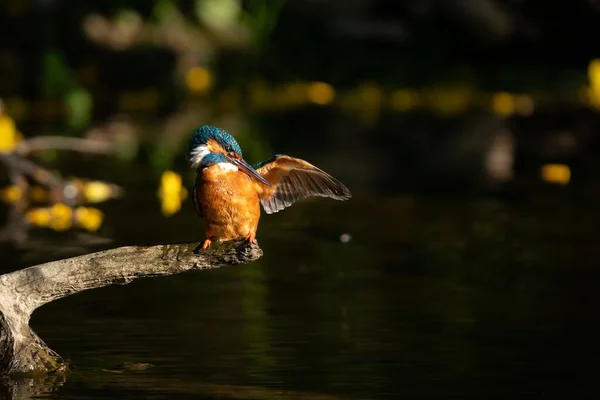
(89, 218)
(556, 173)
(38, 216)
(320, 93)
(170, 183)
(198, 79)
(8, 134)
(503, 104)
(298, 93)
(449, 100)
(97, 191)
(60, 224)
(365, 103)
(11, 194)
(371, 94)
(61, 217)
(594, 78)
(171, 192)
(170, 205)
(403, 100)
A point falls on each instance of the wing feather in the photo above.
(294, 179)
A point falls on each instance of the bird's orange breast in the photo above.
(228, 202)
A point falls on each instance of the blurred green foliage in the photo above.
(57, 78)
(262, 17)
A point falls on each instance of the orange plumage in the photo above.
(228, 203)
(229, 192)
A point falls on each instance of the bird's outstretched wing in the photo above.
(293, 179)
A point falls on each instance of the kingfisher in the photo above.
(229, 192)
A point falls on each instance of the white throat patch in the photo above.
(225, 166)
(197, 154)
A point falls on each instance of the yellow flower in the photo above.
(38, 216)
(171, 192)
(61, 217)
(170, 205)
(60, 224)
(60, 210)
(89, 218)
(8, 134)
(198, 79)
(594, 74)
(170, 183)
(97, 192)
(503, 104)
(556, 173)
(11, 194)
(320, 93)
(403, 100)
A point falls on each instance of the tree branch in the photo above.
(21, 166)
(65, 143)
(23, 291)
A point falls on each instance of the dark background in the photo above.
(464, 266)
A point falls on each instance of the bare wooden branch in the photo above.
(65, 143)
(21, 292)
(18, 165)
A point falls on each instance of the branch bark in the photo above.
(23, 291)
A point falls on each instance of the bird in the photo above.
(228, 192)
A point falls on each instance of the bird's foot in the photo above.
(251, 238)
(205, 245)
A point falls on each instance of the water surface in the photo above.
(433, 297)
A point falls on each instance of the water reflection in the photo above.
(29, 388)
(433, 296)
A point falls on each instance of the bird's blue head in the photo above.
(210, 145)
(210, 139)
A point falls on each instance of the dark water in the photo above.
(433, 297)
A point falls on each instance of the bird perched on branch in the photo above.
(229, 192)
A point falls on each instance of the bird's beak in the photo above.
(247, 168)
